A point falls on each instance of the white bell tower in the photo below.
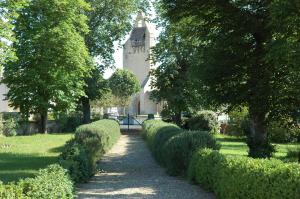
(136, 58)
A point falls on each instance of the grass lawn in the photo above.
(23, 156)
(237, 146)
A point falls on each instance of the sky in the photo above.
(118, 55)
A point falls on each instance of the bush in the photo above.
(8, 124)
(180, 148)
(77, 160)
(283, 134)
(52, 182)
(204, 121)
(10, 127)
(90, 143)
(68, 122)
(170, 144)
(242, 177)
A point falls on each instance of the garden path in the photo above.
(128, 171)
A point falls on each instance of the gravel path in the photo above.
(129, 171)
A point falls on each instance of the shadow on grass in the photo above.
(56, 149)
(232, 139)
(16, 166)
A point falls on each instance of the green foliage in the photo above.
(237, 121)
(173, 147)
(280, 133)
(178, 150)
(204, 121)
(110, 21)
(293, 154)
(68, 122)
(123, 85)
(78, 161)
(8, 124)
(10, 127)
(242, 177)
(52, 181)
(171, 80)
(52, 56)
(90, 143)
(246, 55)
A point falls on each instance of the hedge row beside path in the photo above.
(80, 155)
(242, 177)
(52, 182)
(173, 147)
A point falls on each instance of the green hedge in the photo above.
(52, 182)
(170, 144)
(242, 177)
(204, 121)
(90, 143)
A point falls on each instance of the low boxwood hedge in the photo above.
(52, 182)
(90, 143)
(173, 147)
(243, 177)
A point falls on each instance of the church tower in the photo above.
(136, 58)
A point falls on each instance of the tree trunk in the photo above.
(86, 110)
(43, 122)
(124, 110)
(177, 118)
(258, 142)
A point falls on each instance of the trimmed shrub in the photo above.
(52, 182)
(242, 177)
(178, 150)
(77, 160)
(90, 143)
(155, 131)
(170, 144)
(204, 121)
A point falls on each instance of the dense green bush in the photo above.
(90, 143)
(204, 121)
(173, 147)
(78, 161)
(283, 134)
(242, 177)
(52, 182)
(8, 124)
(178, 150)
(68, 122)
(10, 127)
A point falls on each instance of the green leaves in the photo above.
(52, 56)
(123, 85)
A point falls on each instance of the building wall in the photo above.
(137, 60)
(4, 105)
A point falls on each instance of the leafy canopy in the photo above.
(52, 56)
(123, 85)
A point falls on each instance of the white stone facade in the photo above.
(136, 58)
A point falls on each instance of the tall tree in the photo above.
(8, 11)
(109, 21)
(171, 80)
(52, 57)
(124, 84)
(248, 57)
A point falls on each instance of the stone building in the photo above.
(136, 58)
